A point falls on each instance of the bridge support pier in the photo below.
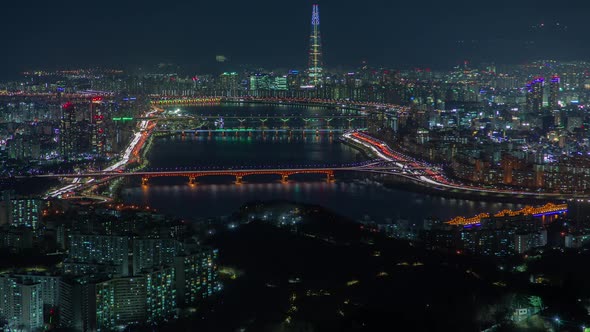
(145, 181)
(330, 177)
(192, 180)
(284, 178)
(238, 179)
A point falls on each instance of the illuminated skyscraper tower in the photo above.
(315, 65)
(554, 93)
(68, 132)
(534, 97)
(98, 134)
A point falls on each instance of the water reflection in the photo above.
(220, 196)
(352, 198)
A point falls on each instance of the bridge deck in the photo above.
(231, 171)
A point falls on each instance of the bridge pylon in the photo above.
(350, 122)
(306, 122)
(328, 121)
(145, 181)
(192, 180)
(284, 178)
(285, 123)
(239, 179)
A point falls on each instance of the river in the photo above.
(353, 195)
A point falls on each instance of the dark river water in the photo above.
(353, 195)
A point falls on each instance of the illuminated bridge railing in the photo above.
(547, 209)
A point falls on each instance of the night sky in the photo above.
(125, 33)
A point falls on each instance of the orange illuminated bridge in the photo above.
(545, 210)
(238, 174)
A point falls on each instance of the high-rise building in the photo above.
(100, 249)
(120, 302)
(68, 132)
(97, 127)
(534, 97)
(77, 303)
(554, 93)
(16, 238)
(160, 295)
(315, 70)
(260, 82)
(229, 83)
(280, 83)
(196, 276)
(153, 253)
(526, 241)
(25, 212)
(23, 147)
(5, 197)
(123, 301)
(49, 288)
(21, 305)
(293, 79)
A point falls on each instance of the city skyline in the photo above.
(423, 33)
(213, 166)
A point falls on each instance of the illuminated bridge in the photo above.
(239, 174)
(547, 209)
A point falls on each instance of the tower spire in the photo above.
(315, 64)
